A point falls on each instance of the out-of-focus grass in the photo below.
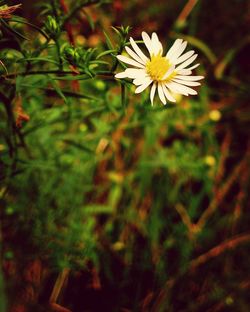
(147, 206)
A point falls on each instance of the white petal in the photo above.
(189, 61)
(194, 66)
(121, 75)
(184, 57)
(175, 88)
(152, 93)
(181, 89)
(135, 73)
(185, 72)
(168, 95)
(161, 94)
(169, 72)
(143, 87)
(187, 83)
(138, 50)
(129, 61)
(174, 47)
(178, 52)
(189, 78)
(158, 49)
(141, 80)
(147, 42)
(132, 73)
(134, 56)
(154, 37)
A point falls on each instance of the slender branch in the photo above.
(184, 217)
(224, 155)
(68, 26)
(194, 264)
(37, 72)
(59, 285)
(186, 11)
(7, 12)
(53, 4)
(221, 194)
(123, 97)
(219, 249)
(78, 8)
(59, 55)
(100, 74)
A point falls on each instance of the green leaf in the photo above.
(89, 18)
(12, 30)
(58, 90)
(71, 77)
(3, 306)
(105, 53)
(21, 20)
(99, 62)
(37, 59)
(97, 209)
(79, 146)
(108, 41)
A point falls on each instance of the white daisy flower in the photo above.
(168, 74)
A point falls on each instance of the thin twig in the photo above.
(194, 264)
(224, 152)
(77, 8)
(7, 12)
(184, 216)
(59, 284)
(186, 11)
(218, 250)
(221, 194)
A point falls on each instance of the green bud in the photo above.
(122, 31)
(9, 211)
(72, 55)
(52, 27)
(100, 85)
(125, 30)
(8, 255)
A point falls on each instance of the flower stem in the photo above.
(123, 97)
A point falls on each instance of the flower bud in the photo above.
(52, 27)
(72, 55)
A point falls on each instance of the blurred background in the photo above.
(103, 210)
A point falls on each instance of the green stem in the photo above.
(103, 74)
(77, 8)
(37, 72)
(53, 4)
(59, 55)
(123, 97)
(123, 44)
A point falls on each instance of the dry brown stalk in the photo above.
(244, 178)
(184, 216)
(224, 154)
(32, 278)
(218, 250)
(20, 113)
(68, 26)
(6, 12)
(221, 193)
(186, 11)
(59, 285)
(57, 308)
(212, 253)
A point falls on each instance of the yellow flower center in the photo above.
(157, 67)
